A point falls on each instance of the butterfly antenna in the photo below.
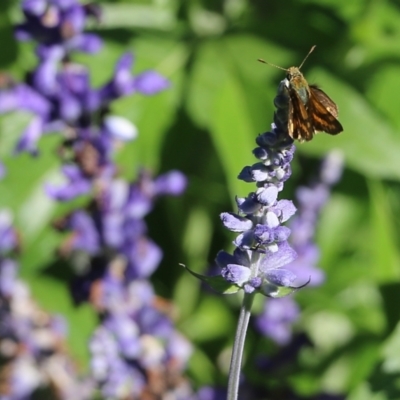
(305, 58)
(272, 65)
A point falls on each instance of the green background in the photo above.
(220, 99)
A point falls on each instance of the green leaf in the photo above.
(383, 90)
(210, 321)
(383, 241)
(138, 16)
(368, 142)
(234, 57)
(280, 291)
(233, 133)
(391, 352)
(218, 283)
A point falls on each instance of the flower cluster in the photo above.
(32, 342)
(262, 247)
(58, 93)
(59, 23)
(136, 351)
(112, 227)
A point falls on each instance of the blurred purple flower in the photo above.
(85, 237)
(278, 316)
(32, 342)
(58, 23)
(78, 185)
(3, 170)
(136, 341)
(8, 234)
(311, 201)
(124, 83)
(277, 319)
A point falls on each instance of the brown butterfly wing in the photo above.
(324, 112)
(300, 125)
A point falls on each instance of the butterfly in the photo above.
(311, 110)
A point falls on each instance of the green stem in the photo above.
(238, 346)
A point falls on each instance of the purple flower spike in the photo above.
(262, 247)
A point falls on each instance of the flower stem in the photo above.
(238, 346)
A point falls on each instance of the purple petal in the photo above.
(280, 277)
(271, 220)
(64, 4)
(122, 81)
(246, 174)
(264, 234)
(283, 256)
(144, 257)
(261, 173)
(30, 137)
(245, 240)
(86, 236)
(126, 333)
(284, 209)
(8, 277)
(74, 18)
(152, 322)
(77, 185)
(70, 107)
(85, 42)
(75, 79)
(268, 195)
(236, 274)
(332, 167)
(120, 128)
(211, 393)
(277, 318)
(114, 234)
(172, 183)
(150, 82)
(35, 7)
(3, 170)
(281, 233)
(45, 78)
(179, 349)
(249, 205)
(8, 236)
(236, 223)
(242, 257)
(305, 266)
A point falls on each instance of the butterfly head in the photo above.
(293, 73)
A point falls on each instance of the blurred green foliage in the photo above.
(205, 125)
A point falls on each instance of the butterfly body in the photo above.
(310, 109)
